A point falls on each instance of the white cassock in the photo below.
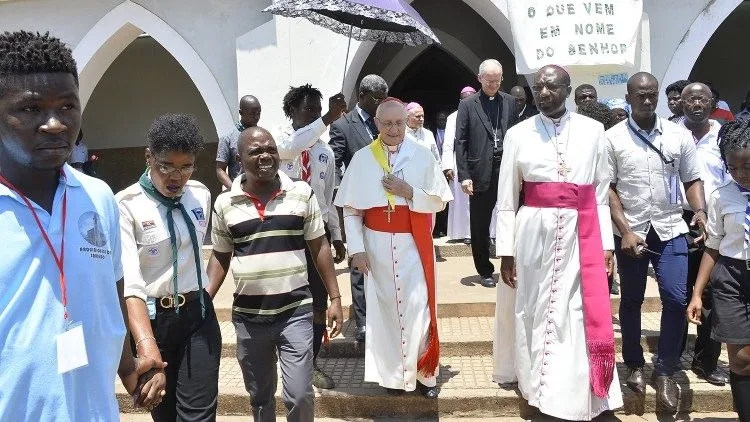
(458, 211)
(425, 138)
(549, 357)
(398, 316)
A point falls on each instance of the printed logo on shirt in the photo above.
(290, 166)
(322, 175)
(91, 229)
(153, 251)
(323, 158)
(148, 225)
(198, 212)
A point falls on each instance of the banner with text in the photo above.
(574, 32)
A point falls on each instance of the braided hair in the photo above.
(734, 136)
(599, 112)
(296, 95)
(25, 53)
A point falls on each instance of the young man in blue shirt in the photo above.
(62, 336)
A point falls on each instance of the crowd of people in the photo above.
(564, 194)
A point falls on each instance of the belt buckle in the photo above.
(170, 301)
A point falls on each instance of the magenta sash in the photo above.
(597, 313)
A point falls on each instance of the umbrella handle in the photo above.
(346, 61)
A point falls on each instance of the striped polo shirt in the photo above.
(268, 245)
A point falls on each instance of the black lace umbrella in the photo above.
(391, 21)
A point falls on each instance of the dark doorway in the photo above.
(434, 79)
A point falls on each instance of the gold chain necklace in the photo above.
(562, 167)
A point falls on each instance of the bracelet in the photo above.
(144, 339)
(335, 297)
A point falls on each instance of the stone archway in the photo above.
(117, 29)
(494, 12)
(694, 41)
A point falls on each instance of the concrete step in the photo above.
(463, 310)
(458, 337)
(648, 417)
(444, 248)
(466, 390)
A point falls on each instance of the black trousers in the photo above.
(706, 350)
(441, 222)
(357, 280)
(481, 205)
(192, 348)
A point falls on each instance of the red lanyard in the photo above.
(58, 259)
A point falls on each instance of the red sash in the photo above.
(403, 220)
(597, 313)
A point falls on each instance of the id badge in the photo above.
(71, 349)
(151, 306)
(675, 196)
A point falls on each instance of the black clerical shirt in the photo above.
(493, 109)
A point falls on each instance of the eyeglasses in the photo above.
(167, 169)
(550, 87)
(388, 124)
(377, 100)
(697, 100)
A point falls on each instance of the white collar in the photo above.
(565, 117)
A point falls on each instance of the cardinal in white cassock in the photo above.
(388, 194)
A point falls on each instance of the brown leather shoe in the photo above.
(636, 381)
(667, 391)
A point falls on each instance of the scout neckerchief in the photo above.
(172, 204)
(378, 151)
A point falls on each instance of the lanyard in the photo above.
(58, 258)
(650, 145)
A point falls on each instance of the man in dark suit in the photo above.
(523, 110)
(350, 133)
(482, 121)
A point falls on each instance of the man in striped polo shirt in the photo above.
(264, 221)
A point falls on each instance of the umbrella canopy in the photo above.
(391, 21)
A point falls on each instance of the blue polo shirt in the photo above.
(31, 312)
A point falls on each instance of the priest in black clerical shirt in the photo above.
(481, 123)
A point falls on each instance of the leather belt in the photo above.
(167, 302)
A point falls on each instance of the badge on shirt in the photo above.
(71, 349)
(198, 212)
(148, 225)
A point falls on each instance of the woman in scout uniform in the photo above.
(163, 220)
(726, 262)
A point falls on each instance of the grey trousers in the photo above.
(259, 346)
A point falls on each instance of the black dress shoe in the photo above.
(667, 391)
(467, 241)
(488, 282)
(394, 391)
(427, 392)
(714, 377)
(635, 380)
(359, 334)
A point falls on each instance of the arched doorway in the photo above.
(134, 67)
(143, 82)
(694, 41)
(434, 79)
(725, 47)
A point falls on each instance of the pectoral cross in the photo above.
(563, 170)
(388, 210)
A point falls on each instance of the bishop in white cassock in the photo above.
(458, 212)
(388, 195)
(554, 324)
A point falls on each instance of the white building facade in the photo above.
(139, 59)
